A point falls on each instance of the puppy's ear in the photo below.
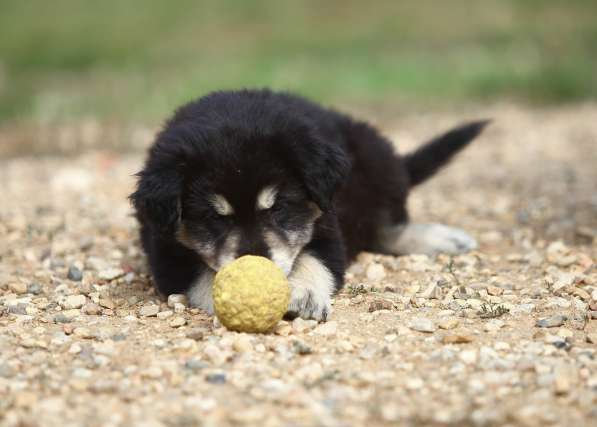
(157, 198)
(323, 167)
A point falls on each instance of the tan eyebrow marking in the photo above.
(221, 205)
(267, 197)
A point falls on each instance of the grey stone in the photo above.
(551, 322)
(74, 274)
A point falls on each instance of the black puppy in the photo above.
(272, 174)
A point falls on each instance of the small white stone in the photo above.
(153, 372)
(216, 355)
(300, 325)
(149, 310)
(179, 308)
(242, 344)
(75, 348)
(376, 272)
(494, 325)
(109, 274)
(501, 346)
(74, 301)
(165, 314)
(422, 324)
(468, 356)
(177, 322)
(176, 298)
(327, 329)
(82, 332)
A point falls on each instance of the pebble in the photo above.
(300, 347)
(177, 322)
(149, 310)
(74, 301)
(327, 328)
(283, 329)
(194, 364)
(153, 372)
(432, 291)
(66, 316)
(106, 302)
(110, 274)
(380, 304)
(493, 325)
(551, 322)
(176, 299)
(375, 272)
(91, 309)
(165, 314)
(74, 274)
(18, 288)
(216, 355)
(456, 338)
(242, 344)
(449, 323)
(592, 337)
(468, 356)
(494, 290)
(34, 288)
(422, 324)
(300, 325)
(179, 307)
(82, 332)
(216, 378)
(196, 334)
(581, 293)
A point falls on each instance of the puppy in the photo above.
(272, 174)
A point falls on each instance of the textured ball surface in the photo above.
(251, 294)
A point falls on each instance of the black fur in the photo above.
(234, 143)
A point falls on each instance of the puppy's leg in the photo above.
(429, 239)
(317, 274)
(200, 292)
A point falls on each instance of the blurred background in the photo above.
(80, 74)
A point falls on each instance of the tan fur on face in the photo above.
(221, 205)
(267, 197)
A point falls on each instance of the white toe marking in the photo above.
(221, 205)
(429, 239)
(312, 286)
(267, 197)
(200, 293)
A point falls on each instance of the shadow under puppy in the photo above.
(272, 174)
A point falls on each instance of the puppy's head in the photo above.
(227, 194)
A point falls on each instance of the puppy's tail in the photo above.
(428, 159)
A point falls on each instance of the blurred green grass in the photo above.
(136, 60)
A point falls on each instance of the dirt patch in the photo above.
(503, 335)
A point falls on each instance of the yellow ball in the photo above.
(251, 294)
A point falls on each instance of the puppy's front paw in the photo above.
(312, 286)
(307, 304)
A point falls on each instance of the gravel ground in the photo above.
(502, 336)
